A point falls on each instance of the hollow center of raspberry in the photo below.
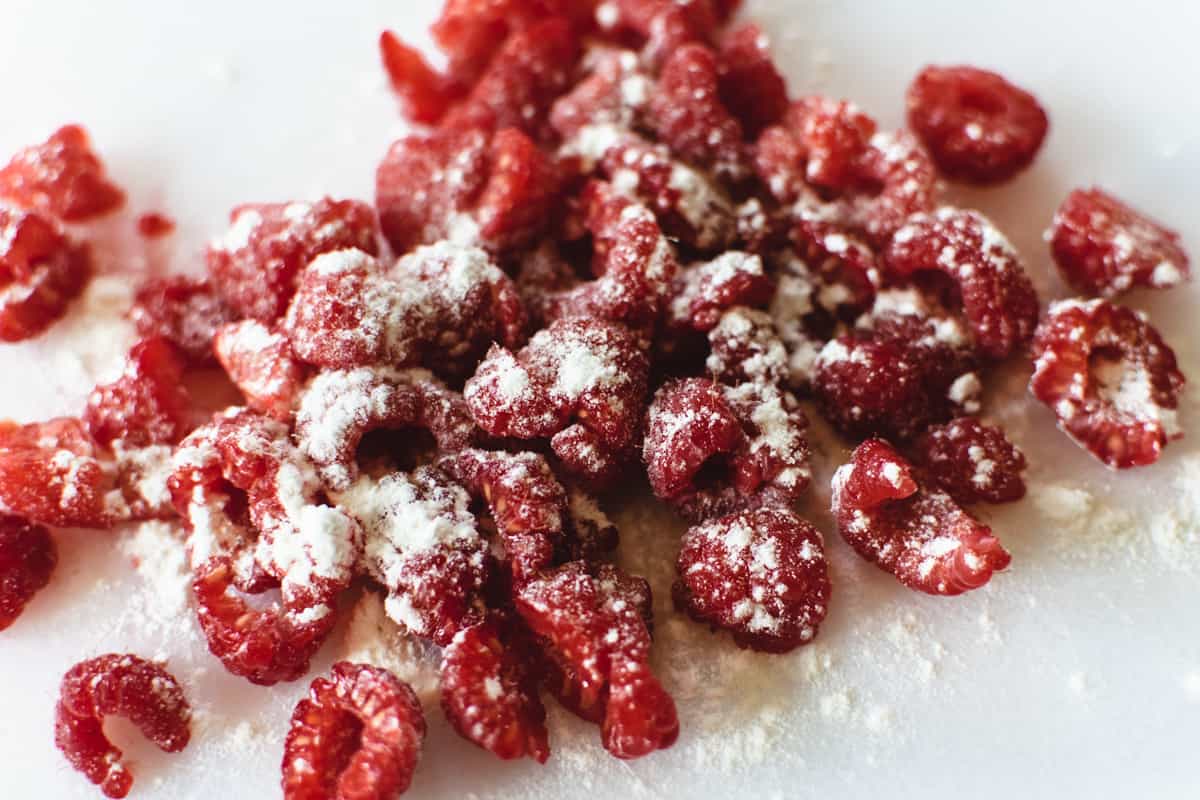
(343, 740)
(714, 474)
(382, 452)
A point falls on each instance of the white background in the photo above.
(1077, 673)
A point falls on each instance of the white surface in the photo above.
(1075, 674)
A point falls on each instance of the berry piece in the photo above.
(61, 177)
(147, 404)
(358, 734)
(260, 362)
(835, 136)
(490, 696)
(750, 84)
(686, 113)
(51, 473)
(1104, 247)
(917, 533)
(997, 298)
(1110, 379)
(614, 93)
(117, 685)
(704, 292)
(977, 126)
(257, 263)
(27, 560)
(184, 310)
(744, 347)
(153, 225)
(972, 462)
(899, 180)
(41, 271)
(424, 93)
(759, 574)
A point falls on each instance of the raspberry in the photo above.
(51, 473)
(1104, 247)
(759, 574)
(471, 31)
(761, 229)
(490, 696)
(972, 462)
(520, 193)
(666, 25)
(542, 277)
(117, 685)
(27, 560)
(686, 113)
(1110, 379)
(62, 177)
(917, 533)
(778, 160)
(978, 127)
(153, 225)
(614, 93)
(835, 136)
(997, 298)
(704, 292)
(745, 348)
(578, 383)
(260, 362)
(358, 734)
(712, 449)
(257, 263)
(793, 312)
(424, 93)
(147, 404)
(41, 271)
(185, 310)
(750, 84)
(900, 180)
(842, 269)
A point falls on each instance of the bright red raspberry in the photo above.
(183, 309)
(520, 195)
(471, 31)
(62, 177)
(41, 271)
(424, 93)
(835, 136)
(972, 462)
(260, 362)
(27, 560)
(842, 268)
(664, 25)
(147, 405)
(51, 473)
(750, 84)
(687, 114)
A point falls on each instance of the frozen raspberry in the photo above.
(900, 181)
(1104, 247)
(589, 534)
(972, 462)
(424, 547)
(147, 404)
(579, 383)
(750, 84)
(62, 177)
(746, 348)
(490, 694)
(424, 93)
(687, 114)
(1110, 379)
(704, 292)
(117, 685)
(185, 310)
(260, 362)
(358, 735)
(759, 574)
(51, 473)
(977, 126)
(41, 271)
(997, 297)
(835, 136)
(526, 501)
(592, 619)
(615, 93)
(27, 560)
(153, 225)
(917, 533)
(256, 264)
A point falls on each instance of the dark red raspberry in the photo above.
(51, 473)
(745, 347)
(977, 126)
(1104, 247)
(62, 177)
(147, 405)
(917, 533)
(750, 84)
(759, 574)
(704, 292)
(490, 694)
(358, 735)
(835, 136)
(424, 93)
(41, 271)
(972, 462)
(256, 264)
(687, 114)
(1110, 379)
(153, 225)
(260, 362)
(614, 93)
(27, 560)
(117, 685)
(183, 309)
(997, 297)
(899, 180)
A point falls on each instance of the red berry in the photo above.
(471, 31)
(358, 735)
(750, 84)
(665, 25)
(972, 462)
(260, 362)
(778, 158)
(117, 685)
(899, 180)
(745, 347)
(978, 127)
(147, 405)
(614, 93)
(1104, 247)
(424, 93)
(51, 473)
(520, 194)
(843, 271)
(759, 574)
(704, 292)
(62, 177)
(153, 225)
(41, 271)
(27, 560)
(835, 136)
(1110, 379)
(917, 533)
(185, 310)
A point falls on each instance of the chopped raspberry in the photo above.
(1110, 379)
(1104, 247)
(424, 547)
(835, 136)
(589, 534)
(41, 271)
(51, 473)
(62, 177)
(615, 93)
(759, 574)
(687, 114)
(750, 84)
(900, 180)
(746, 348)
(997, 297)
(489, 694)
(978, 127)
(704, 292)
(579, 383)
(27, 560)
(424, 93)
(147, 405)
(358, 734)
(117, 685)
(260, 362)
(972, 462)
(257, 263)
(186, 310)
(917, 533)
